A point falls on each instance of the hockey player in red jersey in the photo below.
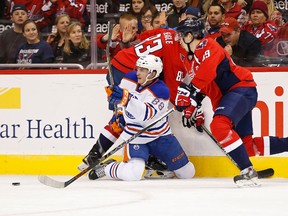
(164, 44)
(232, 92)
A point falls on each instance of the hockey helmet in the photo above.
(191, 25)
(152, 63)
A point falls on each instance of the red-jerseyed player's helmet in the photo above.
(152, 63)
(191, 25)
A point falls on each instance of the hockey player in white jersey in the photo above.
(143, 97)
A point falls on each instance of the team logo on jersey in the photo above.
(272, 27)
(129, 115)
(136, 147)
(202, 44)
(10, 98)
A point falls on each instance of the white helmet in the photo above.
(152, 63)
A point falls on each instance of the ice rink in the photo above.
(170, 197)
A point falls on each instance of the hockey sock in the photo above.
(249, 145)
(129, 171)
(221, 128)
(240, 156)
(269, 145)
(105, 140)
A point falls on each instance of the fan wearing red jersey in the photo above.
(232, 92)
(41, 12)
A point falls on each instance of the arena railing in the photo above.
(44, 66)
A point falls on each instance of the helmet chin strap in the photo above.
(190, 52)
(147, 79)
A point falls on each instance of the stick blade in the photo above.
(266, 173)
(51, 182)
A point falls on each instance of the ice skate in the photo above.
(98, 171)
(90, 159)
(247, 178)
(155, 168)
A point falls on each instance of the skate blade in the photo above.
(153, 174)
(82, 167)
(248, 183)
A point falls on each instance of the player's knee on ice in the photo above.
(130, 171)
(185, 172)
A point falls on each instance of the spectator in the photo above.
(75, 9)
(57, 39)
(276, 17)
(215, 16)
(135, 9)
(146, 16)
(191, 12)
(159, 20)
(34, 50)
(241, 45)
(264, 29)
(281, 5)
(234, 10)
(123, 34)
(174, 13)
(76, 48)
(12, 38)
(41, 12)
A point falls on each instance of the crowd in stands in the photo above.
(54, 31)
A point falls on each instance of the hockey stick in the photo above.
(58, 184)
(110, 28)
(261, 173)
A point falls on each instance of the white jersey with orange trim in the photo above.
(146, 104)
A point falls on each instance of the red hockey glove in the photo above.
(198, 119)
(193, 116)
(187, 114)
(182, 100)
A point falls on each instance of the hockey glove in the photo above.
(117, 95)
(198, 119)
(117, 122)
(186, 97)
(182, 100)
(187, 119)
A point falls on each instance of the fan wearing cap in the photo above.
(12, 38)
(191, 12)
(259, 25)
(241, 45)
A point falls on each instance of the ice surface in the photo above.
(173, 197)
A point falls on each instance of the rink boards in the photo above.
(50, 119)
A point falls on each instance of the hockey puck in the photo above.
(15, 183)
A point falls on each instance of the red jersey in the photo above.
(38, 11)
(164, 45)
(214, 72)
(266, 33)
(115, 45)
(75, 8)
